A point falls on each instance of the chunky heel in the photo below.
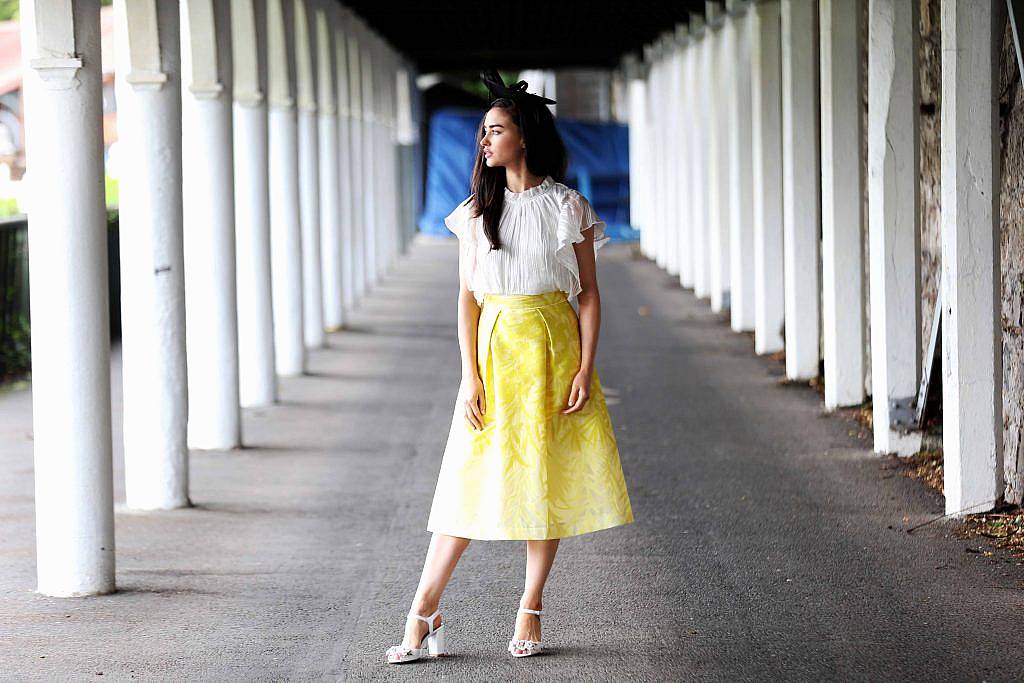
(435, 643)
(431, 645)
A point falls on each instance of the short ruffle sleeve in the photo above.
(462, 222)
(575, 216)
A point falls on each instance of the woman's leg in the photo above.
(540, 555)
(442, 556)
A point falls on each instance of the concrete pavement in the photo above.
(769, 542)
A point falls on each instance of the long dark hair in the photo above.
(545, 156)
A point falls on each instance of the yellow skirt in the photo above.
(531, 472)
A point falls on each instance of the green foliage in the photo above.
(111, 191)
(9, 8)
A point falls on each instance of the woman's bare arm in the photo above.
(590, 320)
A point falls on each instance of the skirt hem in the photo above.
(532, 534)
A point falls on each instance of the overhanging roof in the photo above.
(458, 35)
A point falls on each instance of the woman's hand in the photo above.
(471, 395)
(580, 392)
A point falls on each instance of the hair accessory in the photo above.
(515, 92)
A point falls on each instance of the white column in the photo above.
(370, 160)
(673, 148)
(972, 373)
(841, 193)
(153, 363)
(358, 142)
(659, 139)
(638, 176)
(684, 119)
(741, 214)
(766, 159)
(702, 194)
(211, 307)
(801, 177)
(309, 175)
(283, 156)
(720, 70)
(893, 217)
(257, 379)
(346, 192)
(74, 498)
(330, 210)
(695, 155)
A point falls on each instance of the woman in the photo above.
(531, 454)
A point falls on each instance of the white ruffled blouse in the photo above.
(538, 228)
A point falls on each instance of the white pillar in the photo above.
(660, 121)
(684, 131)
(638, 176)
(972, 373)
(211, 307)
(674, 148)
(285, 229)
(330, 210)
(894, 217)
(702, 193)
(257, 378)
(346, 191)
(370, 208)
(153, 363)
(841, 194)
(74, 497)
(766, 159)
(720, 71)
(696, 155)
(801, 177)
(309, 175)
(741, 215)
(358, 168)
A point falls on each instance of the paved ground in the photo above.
(768, 543)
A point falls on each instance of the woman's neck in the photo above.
(520, 179)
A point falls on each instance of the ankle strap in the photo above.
(531, 611)
(429, 620)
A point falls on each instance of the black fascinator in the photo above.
(515, 92)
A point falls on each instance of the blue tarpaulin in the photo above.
(598, 168)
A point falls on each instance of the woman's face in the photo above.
(501, 140)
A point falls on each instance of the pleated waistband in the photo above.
(525, 301)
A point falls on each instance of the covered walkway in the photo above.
(769, 541)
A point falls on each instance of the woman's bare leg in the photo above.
(540, 555)
(442, 556)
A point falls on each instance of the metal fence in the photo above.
(15, 318)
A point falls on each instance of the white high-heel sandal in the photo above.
(529, 647)
(432, 643)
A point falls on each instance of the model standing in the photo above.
(531, 454)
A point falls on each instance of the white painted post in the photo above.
(358, 143)
(841, 193)
(346, 193)
(638, 175)
(972, 373)
(766, 159)
(800, 186)
(662, 172)
(684, 123)
(309, 176)
(153, 365)
(257, 379)
(285, 227)
(696, 156)
(704, 203)
(720, 74)
(894, 218)
(72, 446)
(330, 210)
(741, 214)
(211, 305)
(370, 160)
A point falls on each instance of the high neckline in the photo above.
(530, 193)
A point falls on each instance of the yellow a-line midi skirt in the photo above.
(531, 472)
